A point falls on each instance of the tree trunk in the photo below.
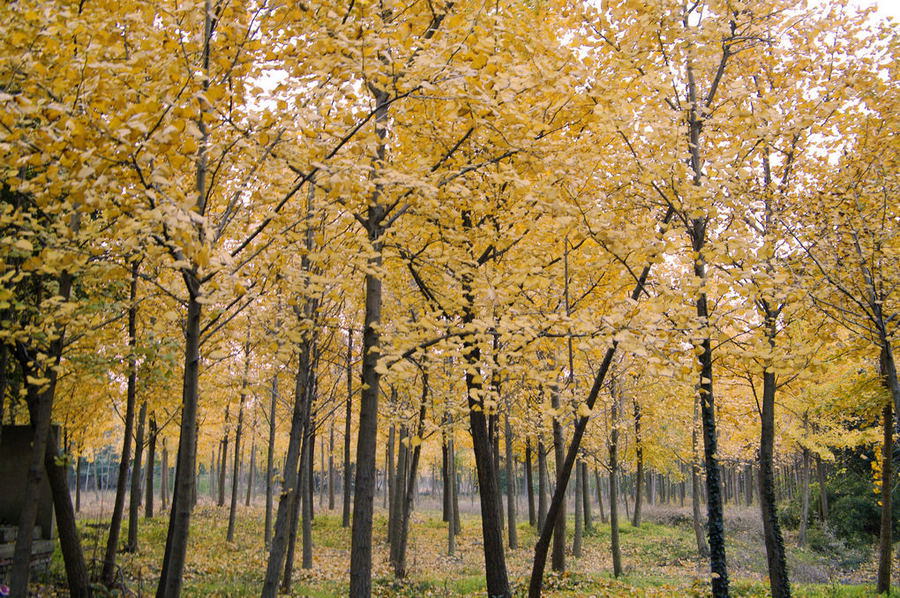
(389, 474)
(599, 481)
(252, 473)
(543, 476)
(887, 482)
(702, 546)
(296, 507)
(510, 485)
(236, 472)
(134, 497)
(270, 462)
(164, 477)
(558, 556)
(398, 498)
(331, 468)
(804, 499)
(307, 494)
(639, 473)
(172, 573)
(78, 463)
(823, 490)
(115, 523)
(151, 461)
(778, 579)
(451, 489)
(69, 542)
(614, 484)
(348, 415)
(361, 531)
(529, 483)
(223, 462)
(408, 481)
(586, 497)
(579, 511)
(286, 515)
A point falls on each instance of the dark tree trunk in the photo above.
(69, 541)
(558, 556)
(223, 462)
(586, 497)
(389, 473)
(331, 476)
(270, 461)
(510, 485)
(494, 435)
(251, 474)
(614, 484)
(451, 490)
(445, 478)
(236, 471)
(543, 476)
(151, 461)
(107, 574)
(398, 497)
(579, 511)
(134, 496)
(307, 493)
(286, 515)
(164, 477)
(804, 499)
(529, 483)
(78, 484)
(887, 484)
(364, 486)
(348, 415)
(599, 481)
(702, 546)
(778, 579)
(408, 481)
(172, 574)
(296, 507)
(714, 513)
(639, 472)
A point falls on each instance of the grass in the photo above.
(659, 560)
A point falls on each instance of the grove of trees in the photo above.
(578, 236)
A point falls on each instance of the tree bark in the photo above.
(529, 483)
(134, 496)
(586, 497)
(697, 518)
(510, 485)
(558, 556)
(639, 473)
(348, 415)
(69, 542)
(804, 499)
(115, 523)
(172, 573)
(252, 473)
(451, 489)
(151, 461)
(361, 531)
(614, 483)
(223, 462)
(286, 515)
(579, 511)
(778, 579)
(236, 471)
(887, 478)
(543, 476)
(270, 462)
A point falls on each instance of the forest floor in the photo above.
(659, 557)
